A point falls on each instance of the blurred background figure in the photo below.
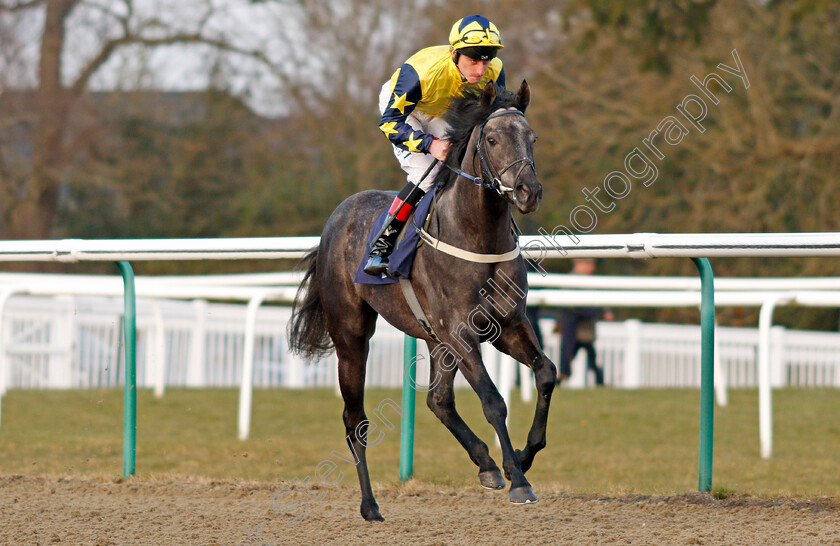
(577, 329)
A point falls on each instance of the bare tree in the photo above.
(340, 54)
(78, 38)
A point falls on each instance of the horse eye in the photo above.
(491, 140)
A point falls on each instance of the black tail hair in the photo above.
(307, 328)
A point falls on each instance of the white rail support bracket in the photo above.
(195, 364)
(246, 388)
(765, 403)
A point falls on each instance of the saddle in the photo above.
(408, 241)
(411, 237)
(402, 258)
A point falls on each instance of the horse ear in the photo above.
(488, 95)
(523, 97)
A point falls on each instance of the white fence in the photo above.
(75, 342)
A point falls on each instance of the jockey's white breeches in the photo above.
(414, 163)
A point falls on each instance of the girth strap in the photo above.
(416, 308)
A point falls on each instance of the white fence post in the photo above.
(632, 377)
(333, 358)
(159, 352)
(296, 369)
(4, 361)
(60, 355)
(527, 383)
(507, 377)
(579, 371)
(837, 373)
(195, 366)
(490, 357)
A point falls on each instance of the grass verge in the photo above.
(601, 441)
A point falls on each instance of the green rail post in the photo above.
(130, 398)
(707, 371)
(408, 402)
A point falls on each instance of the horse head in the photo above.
(505, 148)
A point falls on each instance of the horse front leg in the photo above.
(441, 400)
(495, 411)
(519, 341)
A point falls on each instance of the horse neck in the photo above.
(473, 217)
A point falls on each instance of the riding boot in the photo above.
(398, 214)
(382, 247)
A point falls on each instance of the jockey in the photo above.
(412, 103)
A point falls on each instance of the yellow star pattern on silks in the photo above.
(411, 144)
(400, 102)
(388, 128)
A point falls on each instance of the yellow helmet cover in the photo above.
(474, 31)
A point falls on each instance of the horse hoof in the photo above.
(491, 479)
(522, 495)
(371, 513)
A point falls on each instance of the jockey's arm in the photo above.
(405, 95)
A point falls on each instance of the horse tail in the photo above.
(307, 328)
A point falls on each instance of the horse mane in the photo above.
(465, 112)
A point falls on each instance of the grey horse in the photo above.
(467, 302)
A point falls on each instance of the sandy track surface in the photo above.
(51, 510)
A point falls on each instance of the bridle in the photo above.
(496, 183)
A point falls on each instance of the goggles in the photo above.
(485, 37)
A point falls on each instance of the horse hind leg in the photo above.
(352, 357)
(441, 400)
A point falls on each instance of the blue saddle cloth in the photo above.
(402, 257)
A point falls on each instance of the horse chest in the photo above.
(493, 297)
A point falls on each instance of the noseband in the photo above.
(496, 183)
